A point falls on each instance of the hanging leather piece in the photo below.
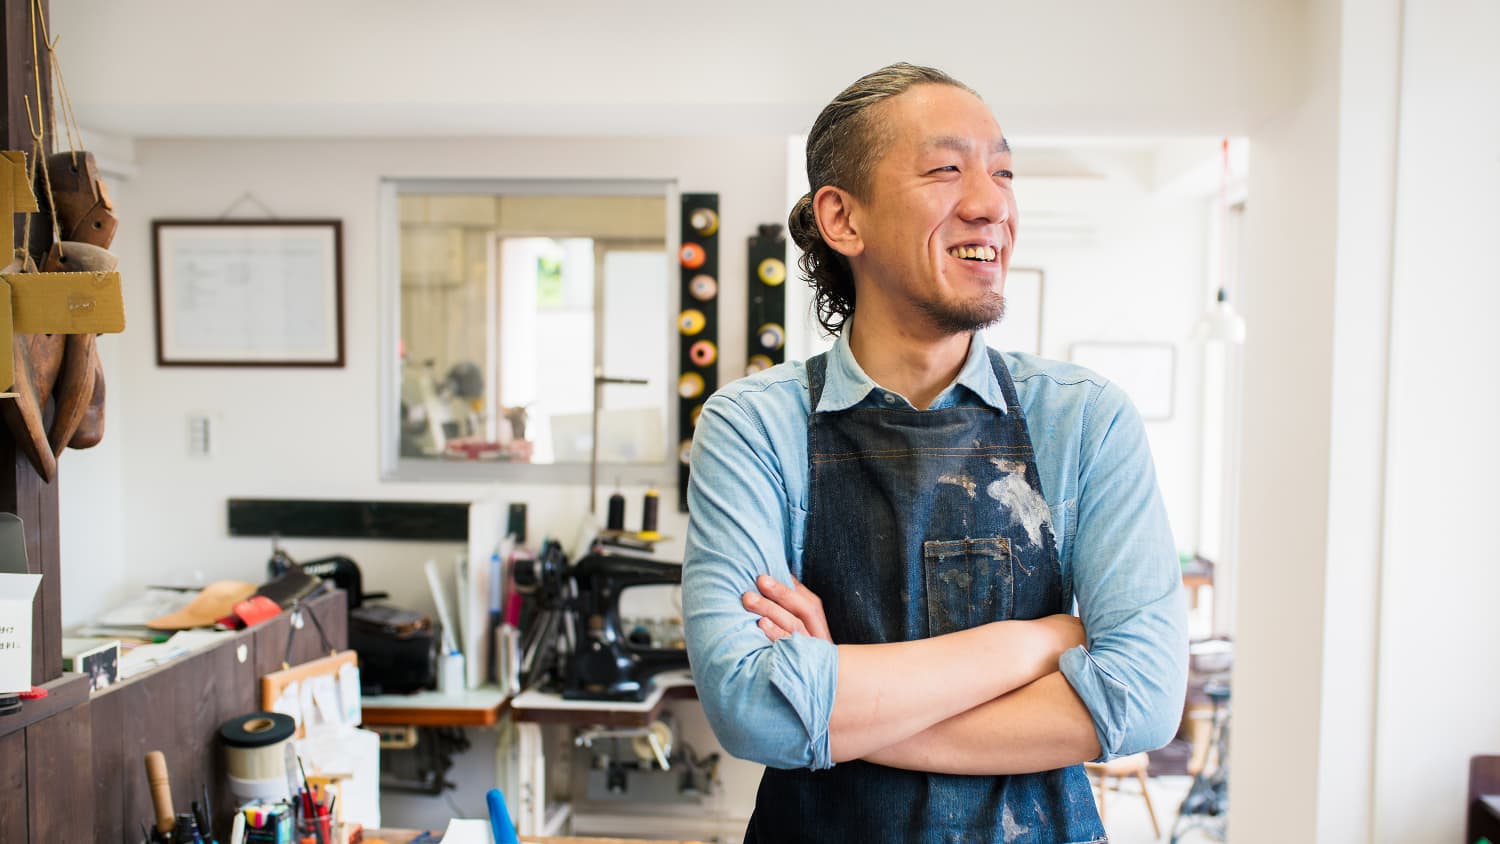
(37, 360)
(84, 211)
(91, 427)
(76, 382)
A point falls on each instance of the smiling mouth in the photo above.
(982, 254)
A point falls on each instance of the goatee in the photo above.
(964, 317)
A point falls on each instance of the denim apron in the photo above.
(921, 523)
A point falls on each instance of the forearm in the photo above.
(1040, 727)
(892, 692)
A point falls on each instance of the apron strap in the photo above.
(1007, 386)
(817, 374)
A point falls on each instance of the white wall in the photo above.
(1439, 638)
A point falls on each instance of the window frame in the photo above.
(395, 468)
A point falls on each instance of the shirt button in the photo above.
(890, 398)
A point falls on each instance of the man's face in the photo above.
(939, 219)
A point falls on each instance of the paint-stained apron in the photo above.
(921, 523)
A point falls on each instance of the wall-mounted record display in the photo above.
(766, 334)
(697, 322)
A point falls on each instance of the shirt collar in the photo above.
(845, 383)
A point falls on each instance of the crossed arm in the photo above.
(1019, 717)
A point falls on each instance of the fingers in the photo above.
(771, 611)
(802, 602)
(773, 632)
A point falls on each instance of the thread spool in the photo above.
(703, 353)
(692, 255)
(705, 221)
(703, 287)
(648, 515)
(772, 271)
(616, 519)
(685, 452)
(758, 363)
(771, 335)
(258, 747)
(691, 321)
(690, 385)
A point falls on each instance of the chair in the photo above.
(1137, 765)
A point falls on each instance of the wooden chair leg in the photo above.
(1101, 798)
(1147, 795)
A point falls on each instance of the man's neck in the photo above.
(907, 357)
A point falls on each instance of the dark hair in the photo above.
(846, 141)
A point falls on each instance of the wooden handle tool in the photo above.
(161, 791)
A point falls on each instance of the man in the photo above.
(886, 542)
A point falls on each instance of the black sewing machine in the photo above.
(576, 639)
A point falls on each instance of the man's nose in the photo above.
(984, 201)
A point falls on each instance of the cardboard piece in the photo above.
(66, 303)
(17, 588)
(14, 160)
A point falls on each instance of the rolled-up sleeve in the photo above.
(1133, 674)
(767, 702)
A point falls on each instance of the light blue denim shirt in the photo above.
(748, 496)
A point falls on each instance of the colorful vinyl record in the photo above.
(772, 336)
(691, 321)
(685, 452)
(703, 287)
(703, 353)
(692, 255)
(705, 221)
(772, 271)
(690, 385)
(757, 363)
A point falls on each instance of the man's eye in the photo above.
(947, 168)
(1005, 174)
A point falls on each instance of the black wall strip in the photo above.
(429, 520)
(697, 322)
(766, 330)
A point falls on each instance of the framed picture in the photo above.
(1147, 372)
(249, 292)
(1021, 328)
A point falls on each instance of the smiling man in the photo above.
(887, 541)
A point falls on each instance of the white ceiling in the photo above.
(297, 68)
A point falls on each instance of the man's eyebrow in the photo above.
(957, 144)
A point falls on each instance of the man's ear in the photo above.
(834, 208)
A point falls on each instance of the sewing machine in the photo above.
(578, 610)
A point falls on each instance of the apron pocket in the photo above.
(969, 582)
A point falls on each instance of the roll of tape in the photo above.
(703, 287)
(757, 363)
(690, 385)
(771, 335)
(704, 221)
(257, 745)
(685, 452)
(703, 353)
(692, 255)
(691, 321)
(772, 271)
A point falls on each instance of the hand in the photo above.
(785, 610)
